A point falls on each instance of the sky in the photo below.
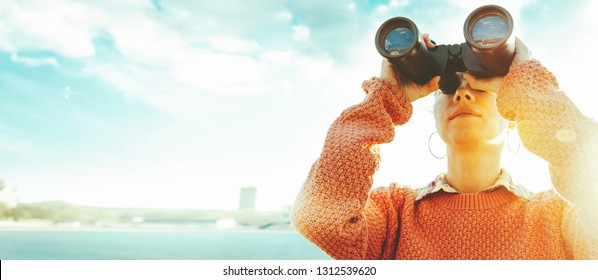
(179, 104)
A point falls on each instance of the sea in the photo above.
(156, 245)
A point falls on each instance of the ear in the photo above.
(512, 125)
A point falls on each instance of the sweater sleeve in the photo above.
(552, 127)
(335, 209)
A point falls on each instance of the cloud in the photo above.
(284, 15)
(399, 3)
(233, 45)
(382, 9)
(67, 92)
(300, 33)
(221, 73)
(589, 18)
(34, 61)
(180, 42)
(64, 27)
(169, 61)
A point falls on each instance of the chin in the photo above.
(466, 137)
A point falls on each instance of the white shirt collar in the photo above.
(504, 180)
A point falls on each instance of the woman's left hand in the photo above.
(493, 84)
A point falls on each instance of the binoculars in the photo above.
(488, 49)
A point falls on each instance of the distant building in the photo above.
(8, 196)
(247, 198)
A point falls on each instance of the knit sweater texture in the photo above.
(338, 210)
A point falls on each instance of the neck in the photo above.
(473, 169)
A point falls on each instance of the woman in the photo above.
(474, 210)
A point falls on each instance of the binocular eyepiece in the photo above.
(488, 49)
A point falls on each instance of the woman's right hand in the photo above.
(410, 89)
(493, 84)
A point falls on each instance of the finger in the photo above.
(429, 87)
(387, 72)
(522, 53)
(519, 44)
(385, 63)
(483, 84)
(430, 44)
(473, 81)
(433, 84)
(387, 66)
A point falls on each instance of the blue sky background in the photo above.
(178, 104)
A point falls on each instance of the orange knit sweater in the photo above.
(337, 210)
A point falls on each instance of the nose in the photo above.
(463, 95)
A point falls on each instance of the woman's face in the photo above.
(468, 117)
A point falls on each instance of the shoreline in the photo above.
(51, 226)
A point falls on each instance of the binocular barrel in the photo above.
(488, 49)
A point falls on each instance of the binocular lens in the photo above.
(489, 31)
(399, 41)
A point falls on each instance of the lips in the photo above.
(463, 111)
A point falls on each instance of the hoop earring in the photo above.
(430, 146)
(509, 143)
